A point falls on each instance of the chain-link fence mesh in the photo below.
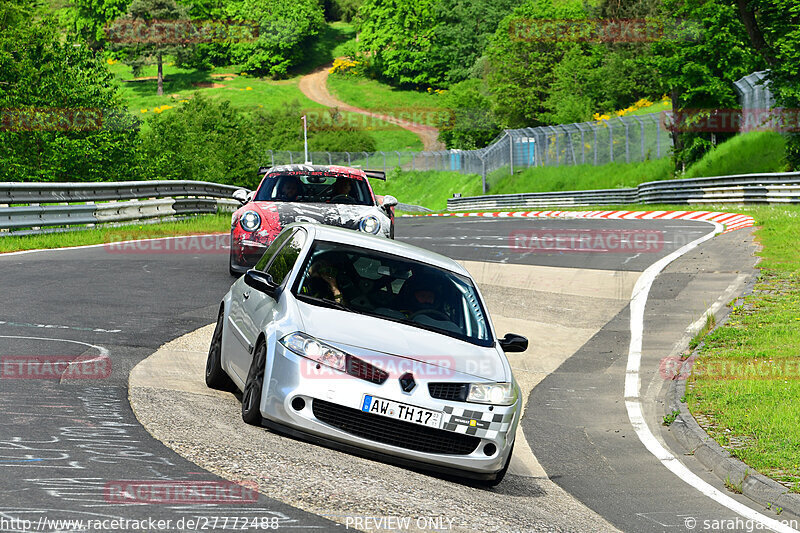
(754, 93)
(623, 138)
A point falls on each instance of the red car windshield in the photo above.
(315, 189)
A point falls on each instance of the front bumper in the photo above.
(291, 378)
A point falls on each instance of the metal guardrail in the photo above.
(35, 206)
(779, 187)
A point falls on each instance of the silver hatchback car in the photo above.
(371, 346)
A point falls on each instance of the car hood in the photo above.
(343, 215)
(367, 336)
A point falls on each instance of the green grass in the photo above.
(579, 177)
(760, 412)
(193, 226)
(245, 92)
(427, 188)
(373, 95)
(759, 151)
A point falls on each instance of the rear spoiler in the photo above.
(377, 174)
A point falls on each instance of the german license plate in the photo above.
(401, 411)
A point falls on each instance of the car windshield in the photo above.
(394, 288)
(314, 188)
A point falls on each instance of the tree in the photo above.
(91, 18)
(699, 73)
(286, 29)
(397, 37)
(427, 43)
(204, 139)
(521, 62)
(150, 30)
(472, 122)
(773, 29)
(63, 117)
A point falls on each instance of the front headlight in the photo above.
(250, 221)
(370, 225)
(318, 351)
(492, 393)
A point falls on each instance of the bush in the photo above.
(63, 116)
(472, 122)
(287, 28)
(205, 140)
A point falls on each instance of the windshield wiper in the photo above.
(323, 302)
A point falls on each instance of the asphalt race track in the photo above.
(64, 444)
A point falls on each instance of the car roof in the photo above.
(330, 170)
(381, 244)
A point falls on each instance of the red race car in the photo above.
(333, 195)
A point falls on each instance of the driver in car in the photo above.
(322, 281)
(342, 187)
(289, 189)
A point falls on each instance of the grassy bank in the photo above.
(430, 189)
(746, 388)
(193, 226)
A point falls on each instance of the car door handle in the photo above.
(246, 295)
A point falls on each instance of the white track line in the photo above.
(633, 401)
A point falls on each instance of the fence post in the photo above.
(610, 141)
(627, 142)
(366, 165)
(398, 158)
(641, 130)
(330, 158)
(384, 162)
(272, 157)
(483, 176)
(511, 153)
(291, 159)
(348, 158)
(413, 160)
(658, 140)
(594, 144)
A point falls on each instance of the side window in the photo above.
(285, 259)
(272, 250)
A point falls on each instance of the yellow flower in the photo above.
(184, 101)
(111, 61)
(143, 110)
(248, 89)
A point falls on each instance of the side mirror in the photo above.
(389, 201)
(514, 343)
(240, 195)
(261, 282)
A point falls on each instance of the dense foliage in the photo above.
(286, 29)
(62, 118)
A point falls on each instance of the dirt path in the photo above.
(315, 86)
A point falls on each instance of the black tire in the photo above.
(251, 397)
(231, 266)
(498, 478)
(216, 378)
